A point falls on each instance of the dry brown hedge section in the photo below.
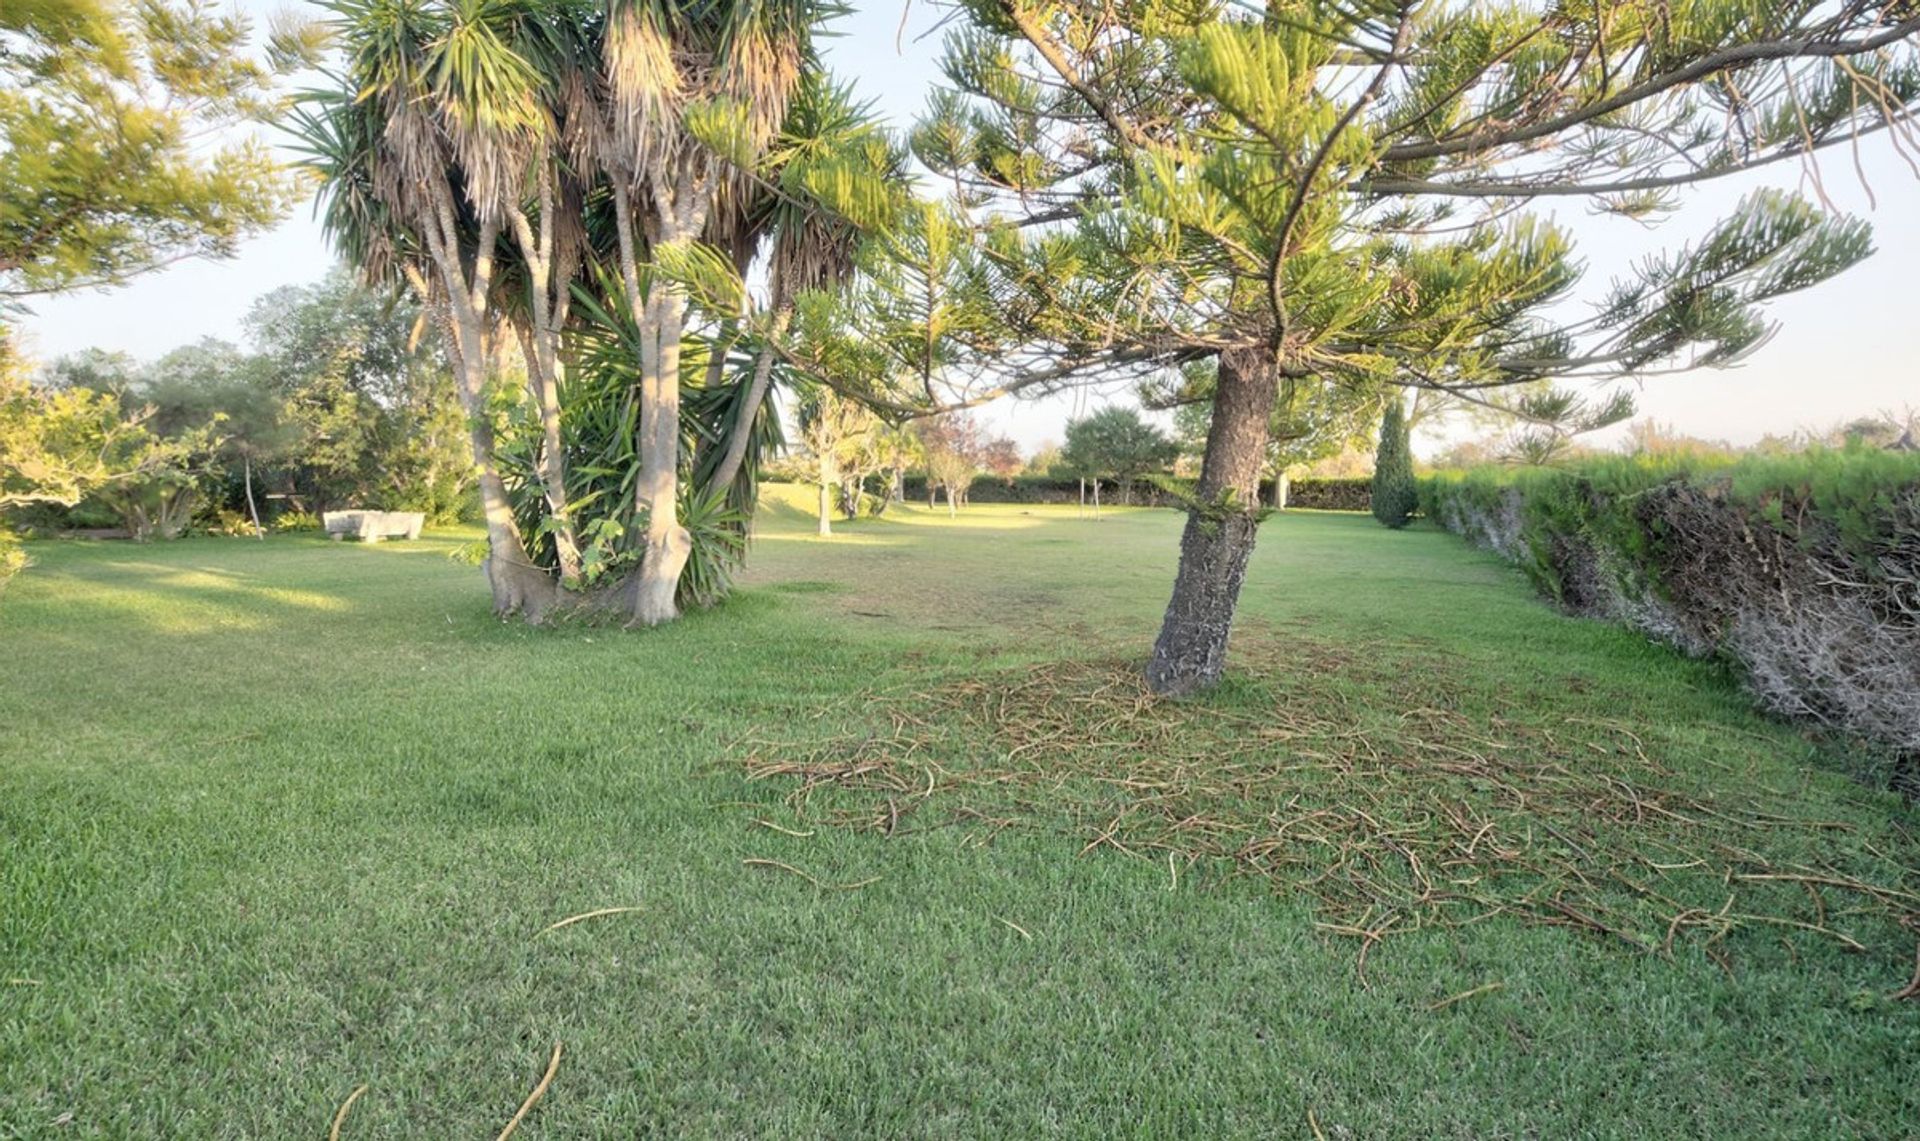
(1803, 571)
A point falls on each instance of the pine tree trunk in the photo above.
(1191, 652)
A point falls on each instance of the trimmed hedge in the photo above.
(1802, 570)
(1310, 494)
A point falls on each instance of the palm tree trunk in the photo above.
(657, 490)
(742, 434)
(1191, 652)
(541, 344)
(658, 315)
(827, 481)
(553, 471)
(518, 585)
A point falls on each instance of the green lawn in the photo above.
(281, 819)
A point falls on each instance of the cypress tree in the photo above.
(1394, 491)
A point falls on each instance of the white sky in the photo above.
(1844, 349)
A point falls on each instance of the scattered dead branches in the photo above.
(1390, 797)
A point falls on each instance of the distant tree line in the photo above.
(341, 398)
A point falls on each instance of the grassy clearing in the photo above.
(280, 819)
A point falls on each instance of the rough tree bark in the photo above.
(1191, 652)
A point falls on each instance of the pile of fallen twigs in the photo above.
(1386, 822)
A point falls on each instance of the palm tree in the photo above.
(416, 151)
(542, 201)
(497, 155)
(832, 176)
(694, 96)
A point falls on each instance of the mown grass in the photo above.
(280, 819)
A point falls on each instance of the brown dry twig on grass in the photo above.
(573, 919)
(546, 1079)
(821, 884)
(340, 1115)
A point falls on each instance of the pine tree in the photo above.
(1394, 491)
(1351, 195)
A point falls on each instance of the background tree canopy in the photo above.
(1115, 443)
(109, 116)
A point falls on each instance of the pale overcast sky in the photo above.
(1844, 349)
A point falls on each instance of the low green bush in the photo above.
(13, 558)
(1309, 494)
(296, 520)
(1803, 569)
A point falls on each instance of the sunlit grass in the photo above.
(279, 819)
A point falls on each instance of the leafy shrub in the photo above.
(229, 523)
(296, 521)
(1395, 492)
(719, 534)
(1803, 570)
(13, 558)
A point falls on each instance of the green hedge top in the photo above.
(1311, 494)
(1858, 498)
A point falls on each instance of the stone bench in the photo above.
(373, 526)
